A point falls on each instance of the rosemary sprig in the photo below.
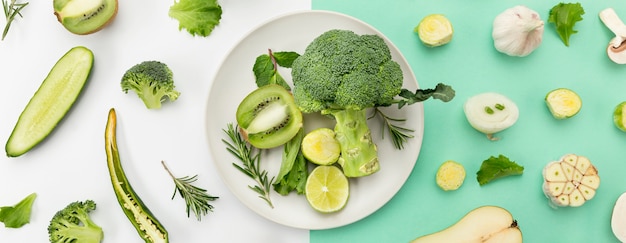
(251, 159)
(11, 9)
(196, 198)
(399, 135)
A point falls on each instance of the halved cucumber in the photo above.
(52, 101)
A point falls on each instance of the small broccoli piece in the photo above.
(73, 224)
(152, 81)
(342, 74)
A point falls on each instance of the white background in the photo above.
(70, 165)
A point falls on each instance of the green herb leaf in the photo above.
(564, 16)
(441, 92)
(251, 162)
(295, 179)
(290, 152)
(266, 68)
(494, 168)
(285, 58)
(196, 198)
(198, 17)
(11, 10)
(399, 134)
(18, 215)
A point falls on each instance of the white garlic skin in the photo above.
(517, 31)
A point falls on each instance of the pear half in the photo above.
(482, 225)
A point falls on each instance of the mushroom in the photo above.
(617, 47)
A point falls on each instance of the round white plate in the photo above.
(234, 80)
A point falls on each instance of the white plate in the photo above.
(234, 80)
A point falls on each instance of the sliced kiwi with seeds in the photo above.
(268, 117)
(85, 16)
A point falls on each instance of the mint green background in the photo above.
(471, 65)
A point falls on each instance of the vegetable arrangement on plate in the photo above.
(341, 75)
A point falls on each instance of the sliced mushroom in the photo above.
(616, 49)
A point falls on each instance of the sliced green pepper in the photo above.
(148, 227)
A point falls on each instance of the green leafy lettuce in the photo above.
(18, 215)
(497, 167)
(564, 16)
(198, 17)
(293, 169)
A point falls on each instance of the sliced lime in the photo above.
(434, 30)
(327, 189)
(563, 103)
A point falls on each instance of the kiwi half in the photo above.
(268, 117)
(85, 16)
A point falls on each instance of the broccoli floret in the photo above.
(343, 70)
(73, 224)
(342, 74)
(152, 81)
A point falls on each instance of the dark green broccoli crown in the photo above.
(153, 82)
(343, 70)
(148, 73)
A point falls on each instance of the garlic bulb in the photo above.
(571, 181)
(517, 31)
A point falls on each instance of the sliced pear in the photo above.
(483, 224)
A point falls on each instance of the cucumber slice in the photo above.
(52, 101)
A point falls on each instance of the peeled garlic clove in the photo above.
(490, 113)
(517, 31)
(570, 181)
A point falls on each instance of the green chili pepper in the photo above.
(139, 215)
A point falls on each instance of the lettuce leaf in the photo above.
(494, 168)
(564, 16)
(18, 215)
(198, 17)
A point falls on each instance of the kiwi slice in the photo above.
(268, 117)
(85, 16)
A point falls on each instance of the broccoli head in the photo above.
(73, 224)
(343, 70)
(152, 81)
(342, 74)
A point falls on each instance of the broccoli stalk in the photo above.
(73, 224)
(152, 81)
(342, 74)
(358, 151)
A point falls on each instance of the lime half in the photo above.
(450, 175)
(320, 146)
(327, 189)
(563, 103)
(619, 116)
(435, 30)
